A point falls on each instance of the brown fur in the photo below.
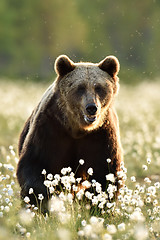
(61, 129)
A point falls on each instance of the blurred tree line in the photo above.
(34, 33)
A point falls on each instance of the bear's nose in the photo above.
(91, 108)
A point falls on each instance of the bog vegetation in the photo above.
(136, 213)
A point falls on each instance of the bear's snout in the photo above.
(91, 109)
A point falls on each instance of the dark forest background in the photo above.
(34, 32)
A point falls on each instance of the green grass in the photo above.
(136, 215)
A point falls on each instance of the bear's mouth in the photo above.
(90, 119)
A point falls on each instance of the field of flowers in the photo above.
(136, 213)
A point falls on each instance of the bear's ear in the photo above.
(63, 65)
(110, 65)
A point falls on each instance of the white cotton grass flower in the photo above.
(80, 194)
(2, 207)
(97, 224)
(120, 174)
(16, 160)
(81, 161)
(148, 160)
(155, 202)
(140, 203)
(63, 234)
(81, 233)
(111, 229)
(147, 180)
(51, 190)
(86, 184)
(10, 192)
(47, 183)
(83, 223)
(149, 212)
(121, 165)
(124, 169)
(55, 182)
(64, 171)
(6, 208)
(40, 196)
(10, 147)
(140, 232)
(74, 188)
(49, 176)
(94, 200)
(101, 205)
(30, 190)
(62, 197)
(144, 167)
(157, 184)
(121, 227)
(69, 169)
(107, 236)
(93, 182)
(28, 235)
(111, 190)
(70, 198)
(26, 199)
(88, 230)
(44, 172)
(120, 182)
(67, 181)
(22, 230)
(89, 195)
(110, 177)
(56, 205)
(26, 216)
(90, 171)
(72, 178)
(13, 153)
(9, 167)
(108, 160)
(98, 187)
(151, 229)
(35, 208)
(133, 179)
(93, 220)
(110, 205)
(7, 200)
(64, 217)
(57, 177)
(137, 216)
(148, 200)
(152, 190)
(11, 150)
(68, 187)
(88, 206)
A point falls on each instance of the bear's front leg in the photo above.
(31, 177)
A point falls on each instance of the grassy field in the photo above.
(136, 214)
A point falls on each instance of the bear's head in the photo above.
(86, 90)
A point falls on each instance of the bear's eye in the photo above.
(99, 90)
(81, 90)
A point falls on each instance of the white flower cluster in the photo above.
(74, 199)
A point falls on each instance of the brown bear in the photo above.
(74, 120)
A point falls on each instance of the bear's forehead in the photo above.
(88, 73)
